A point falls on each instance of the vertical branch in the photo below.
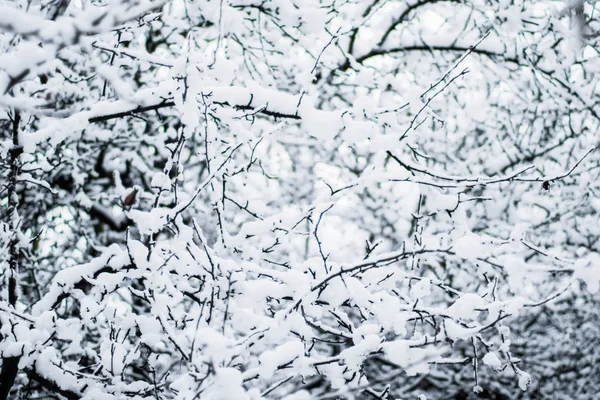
(207, 157)
(220, 37)
(418, 241)
(477, 389)
(13, 216)
(226, 313)
(10, 365)
(319, 243)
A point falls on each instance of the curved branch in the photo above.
(402, 17)
(130, 113)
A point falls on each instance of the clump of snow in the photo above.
(150, 222)
(324, 125)
(472, 246)
(465, 306)
(455, 331)
(357, 131)
(386, 310)
(46, 321)
(227, 385)
(151, 331)
(492, 360)
(161, 181)
(281, 355)
(400, 321)
(335, 293)
(421, 289)
(516, 270)
(397, 351)
(524, 380)
(47, 366)
(355, 356)
(413, 360)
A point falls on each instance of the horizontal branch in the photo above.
(263, 111)
(130, 113)
(168, 104)
(426, 47)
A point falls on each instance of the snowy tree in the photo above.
(287, 199)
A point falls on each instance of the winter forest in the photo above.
(299, 199)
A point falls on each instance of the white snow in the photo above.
(492, 360)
